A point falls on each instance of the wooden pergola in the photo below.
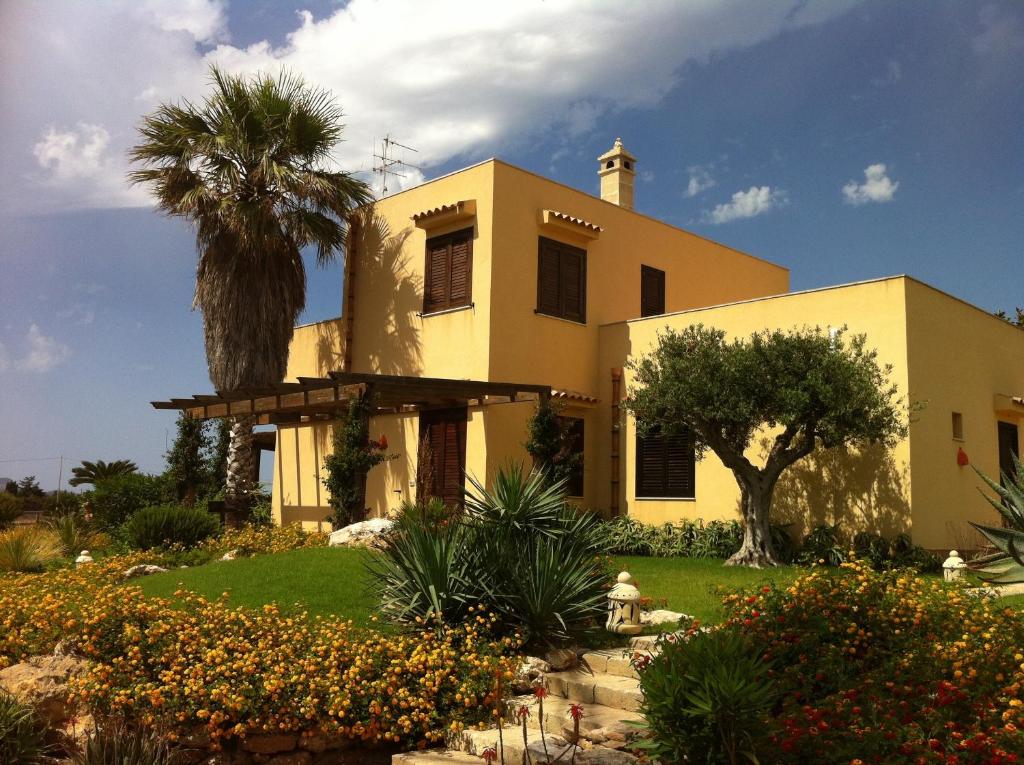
(321, 397)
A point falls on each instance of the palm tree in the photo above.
(249, 168)
(91, 472)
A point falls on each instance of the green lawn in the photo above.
(333, 581)
(320, 580)
(693, 586)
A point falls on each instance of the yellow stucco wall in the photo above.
(869, 490)
(500, 337)
(960, 359)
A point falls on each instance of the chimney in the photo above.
(617, 169)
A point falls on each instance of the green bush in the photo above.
(10, 508)
(704, 698)
(517, 550)
(74, 534)
(822, 545)
(165, 525)
(117, 499)
(22, 735)
(114, 744)
(28, 549)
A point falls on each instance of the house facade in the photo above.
(495, 274)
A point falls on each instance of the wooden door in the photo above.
(444, 431)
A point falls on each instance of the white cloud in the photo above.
(80, 313)
(757, 200)
(1002, 33)
(455, 80)
(44, 352)
(700, 180)
(877, 187)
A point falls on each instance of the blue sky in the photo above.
(845, 140)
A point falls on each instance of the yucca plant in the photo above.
(1007, 565)
(22, 734)
(28, 549)
(73, 534)
(116, 744)
(424, 572)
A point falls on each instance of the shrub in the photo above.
(116, 499)
(60, 503)
(352, 456)
(22, 735)
(119, 744)
(704, 698)
(903, 553)
(28, 549)
(822, 545)
(263, 540)
(74, 535)
(518, 550)
(10, 508)
(165, 525)
(886, 667)
(688, 539)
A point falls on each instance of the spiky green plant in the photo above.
(22, 734)
(1007, 565)
(28, 549)
(115, 744)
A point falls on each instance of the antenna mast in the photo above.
(386, 162)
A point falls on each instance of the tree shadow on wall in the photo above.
(858, 489)
(388, 295)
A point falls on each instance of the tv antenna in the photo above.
(387, 162)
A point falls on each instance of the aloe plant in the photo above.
(1007, 565)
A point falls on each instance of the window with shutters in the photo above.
(562, 280)
(665, 466)
(652, 291)
(448, 275)
(444, 431)
(572, 434)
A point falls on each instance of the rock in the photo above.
(143, 569)
(321, 742)
(530, 672)
(229, 555)
(271, 743)
(655, 618)
(561, 658)
(42, 683)
(602, 755)
(364, 533)
(597, 735)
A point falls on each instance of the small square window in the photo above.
(958, 426)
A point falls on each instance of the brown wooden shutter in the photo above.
(446, 434)
(666, 466)
(573, 286)
(448, 275)
(652, 291)
(548, 267)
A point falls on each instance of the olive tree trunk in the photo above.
(755, 509)
(240, 469)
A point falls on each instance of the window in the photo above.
(652, 291)
(448, 276)
(572, 437)
(443, 432)
(958, 426)
(665, 466)
(562, 280)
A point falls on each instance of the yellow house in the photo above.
(499, 284)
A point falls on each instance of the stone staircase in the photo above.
(604, 683)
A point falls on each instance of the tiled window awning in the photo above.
(554, 219)
(1008, 406)
(313, 397)
(442, 215)
(574, 396)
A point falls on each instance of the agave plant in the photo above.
(1007, 565)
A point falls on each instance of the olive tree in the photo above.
(803, 388)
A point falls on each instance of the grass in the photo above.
(328, 581)
(332, 581)
(693, 585)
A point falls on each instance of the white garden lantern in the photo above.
(624, 607)
(83, 558)
(953, 567)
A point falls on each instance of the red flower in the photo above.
(523, 713)
(490, 754)
(540, 691)
(383, 442)
(576, 711)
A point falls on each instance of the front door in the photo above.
(443, 434)
(1008, 449)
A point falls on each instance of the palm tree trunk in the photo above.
(240, 479)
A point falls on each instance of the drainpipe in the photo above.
(349, 301)
(616, 427)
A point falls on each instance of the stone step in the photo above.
(558, 749)
(435, 757)
(596, 717)
(596, 688)
(612, 661)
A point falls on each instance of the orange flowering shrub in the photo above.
(237, 672)
(260, 540)
(888, 667)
